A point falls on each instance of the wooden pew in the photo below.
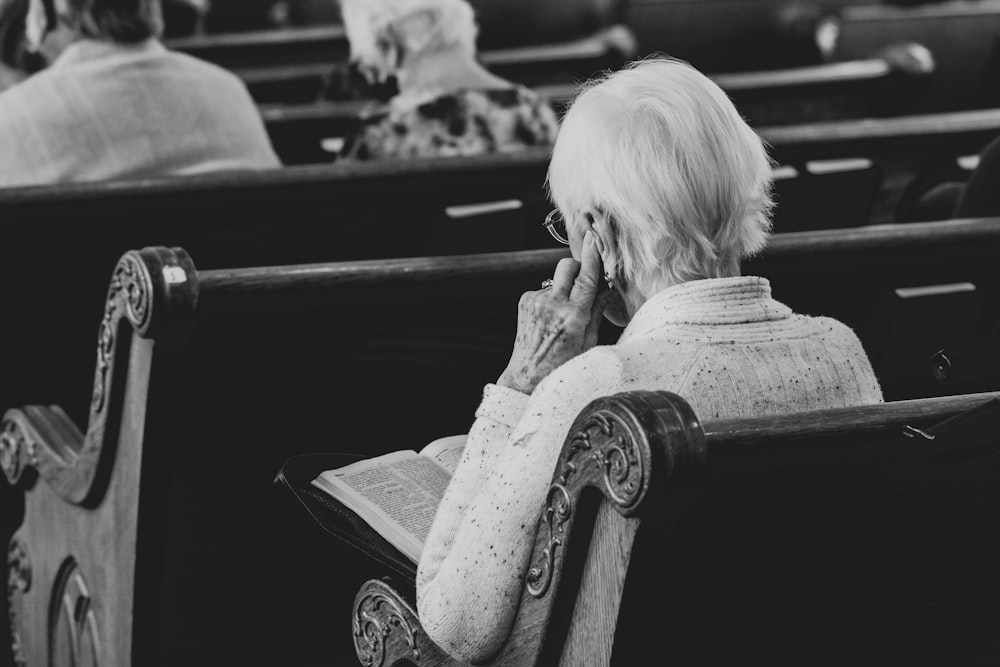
(864, 87)
(829, 537)
(826, 158)
(318, 44)
(798, 95)
(962, 36)
(227, 373)
(61, 240)
(504, 27)
(731, 35)
(901, 143)
(899, 149)
(314, 133)
(62, 237)
(608, 48)
(206, 381)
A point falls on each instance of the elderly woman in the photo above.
(114, 103)
(448, 104)
(661, 189)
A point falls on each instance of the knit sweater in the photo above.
(723, 344)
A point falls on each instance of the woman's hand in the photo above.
(557, 323)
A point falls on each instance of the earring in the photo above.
(607, 279)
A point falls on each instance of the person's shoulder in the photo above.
(200, 68)
(33, 84)
(595, 371)
(830, 329)
(32, 99)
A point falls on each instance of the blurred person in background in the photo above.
(977, 197)
(115, 103)
(448, 104)
(16, 61)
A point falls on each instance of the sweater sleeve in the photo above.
(471, 573)
(865, 390)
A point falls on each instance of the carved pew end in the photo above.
(387, 631)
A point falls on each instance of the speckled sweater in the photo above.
(723, 344)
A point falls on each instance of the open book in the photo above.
(397, 494)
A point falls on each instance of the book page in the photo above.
(397, 494)
(446, 451)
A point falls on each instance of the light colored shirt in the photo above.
(723, 344)
(462, 123)
(104, 111)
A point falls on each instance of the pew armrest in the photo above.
(150, 290)
(43, 441)
(387, 631)
(643, 453)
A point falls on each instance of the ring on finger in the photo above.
(547, 283)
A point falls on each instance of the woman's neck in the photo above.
(633, 297)
(445, 71)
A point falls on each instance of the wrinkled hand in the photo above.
(556, 324)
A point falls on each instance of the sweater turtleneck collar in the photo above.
(713, 301)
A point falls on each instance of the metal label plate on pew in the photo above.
(174, 275)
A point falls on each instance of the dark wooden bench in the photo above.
(963, 37)
(865, 87)
(314, 133)
(885, 154)
(849, 536)
(922, 298)
(61, 240)
(873, 159)
(320, 44)
(905, 141)
(797, 95)
(301, 82)
(206, 381)
(731, 35)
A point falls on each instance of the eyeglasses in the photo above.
(556, 224)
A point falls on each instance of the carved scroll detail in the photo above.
(130, 294)
(154, 289)
(602, 451)
(16, 450)
(378, 617)
(557, 512)
(18, 583)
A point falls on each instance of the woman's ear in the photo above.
(607, 244)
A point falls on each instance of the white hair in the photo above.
(661, 150)
(411, 27)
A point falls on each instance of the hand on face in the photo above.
(558, 323)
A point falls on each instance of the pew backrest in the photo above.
(60, 239)
(607, 48)
(204, 383)
(758, 35)
(207, 380)
(772, 97)
(963, 38)
(289, 46)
